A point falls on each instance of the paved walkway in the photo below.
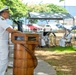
(42, 68)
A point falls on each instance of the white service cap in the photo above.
(3, 9)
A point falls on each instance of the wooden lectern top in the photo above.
(25, 38)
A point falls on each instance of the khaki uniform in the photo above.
(52, 39)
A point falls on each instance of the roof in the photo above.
(50, 16)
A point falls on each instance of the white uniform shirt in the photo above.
(3, 33)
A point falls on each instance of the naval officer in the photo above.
(5, 29)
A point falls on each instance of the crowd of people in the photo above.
(48, 39)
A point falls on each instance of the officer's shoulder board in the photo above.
(2, 18)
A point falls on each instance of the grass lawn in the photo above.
(67, 49)
(62, 59)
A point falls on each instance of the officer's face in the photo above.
(6, 14)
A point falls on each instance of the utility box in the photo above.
(24, 57)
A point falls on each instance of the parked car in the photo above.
(51, 27)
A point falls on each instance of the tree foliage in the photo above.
(50, 8)
(17, 8)
(1, 4)
(61, 0)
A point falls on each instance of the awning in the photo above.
(50, 16)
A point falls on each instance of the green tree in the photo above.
(49, 8)
(61, 0)
(17, 8)
(1, 4)
(56, 9)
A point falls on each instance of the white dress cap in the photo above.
(3, 9)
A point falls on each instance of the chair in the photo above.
(69, 43)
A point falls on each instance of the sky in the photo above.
(65, 2)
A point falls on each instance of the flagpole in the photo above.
(64, 3)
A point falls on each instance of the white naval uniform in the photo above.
(42, 41)
(63, 41)
(3, 45)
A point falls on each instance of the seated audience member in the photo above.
(52, 39)
(66, 38)
(43, 44)
(46, 38)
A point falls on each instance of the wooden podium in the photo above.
(24, 57)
